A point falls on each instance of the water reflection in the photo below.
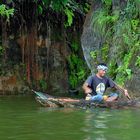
(95, 124)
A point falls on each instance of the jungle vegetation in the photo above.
(119, 28)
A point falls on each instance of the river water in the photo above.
(21, 118)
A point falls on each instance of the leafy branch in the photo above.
(5, 12)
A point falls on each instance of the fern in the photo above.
(4, 11)
(69, 13)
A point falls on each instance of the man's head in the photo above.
(102, 68)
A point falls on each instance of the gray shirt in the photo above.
(99, 85)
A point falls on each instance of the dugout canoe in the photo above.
(47, 100)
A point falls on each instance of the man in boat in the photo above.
(96, 85)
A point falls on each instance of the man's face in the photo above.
(101, 72)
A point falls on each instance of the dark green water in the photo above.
(21, 118)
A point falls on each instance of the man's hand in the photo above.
(88, 91)
(123, 91)
(126, 94)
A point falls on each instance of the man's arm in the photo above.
(124, 91)
(86, 88)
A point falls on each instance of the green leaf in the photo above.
(107, 2)
(4, 11)
(40, 9)
(69, 13)
(137, 63)
(93, 54)
(129, 73)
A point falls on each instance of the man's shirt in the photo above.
(99, 85)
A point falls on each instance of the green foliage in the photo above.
(73, 80)
(58, 5)
(5, 12)
(43, 84)
(68, 8)
(75, 46)
(107, 2)
(134, 23)
(93, 54)
(105, 52)
(69, 13)
(112, 68)
(132, 9)
(1, 50)
(77, 70)
(76, 77)
(102, 22)
(86, 7)
(127, 42)
(40, 9)
(123, 71)
(137, 63)
(120, 29)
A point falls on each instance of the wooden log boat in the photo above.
(47, 100)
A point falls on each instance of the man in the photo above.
(96, 85)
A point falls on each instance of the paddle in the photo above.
(123, 90)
